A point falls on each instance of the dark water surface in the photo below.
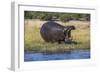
(79, 54)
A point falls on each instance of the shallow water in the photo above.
(79, 54)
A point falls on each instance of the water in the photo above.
(79, 54)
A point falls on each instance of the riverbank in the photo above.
(54, 51)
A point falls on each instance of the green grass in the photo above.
(34, 42)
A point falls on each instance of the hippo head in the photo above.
(67, 33)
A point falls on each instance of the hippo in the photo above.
(54, 32)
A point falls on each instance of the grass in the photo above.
(34, 42)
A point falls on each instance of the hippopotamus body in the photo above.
(54, 32)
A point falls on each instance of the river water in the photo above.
(76, 54)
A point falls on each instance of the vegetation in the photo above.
(56, 16)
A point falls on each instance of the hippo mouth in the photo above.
(68, 37)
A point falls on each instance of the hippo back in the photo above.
(52, 31)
